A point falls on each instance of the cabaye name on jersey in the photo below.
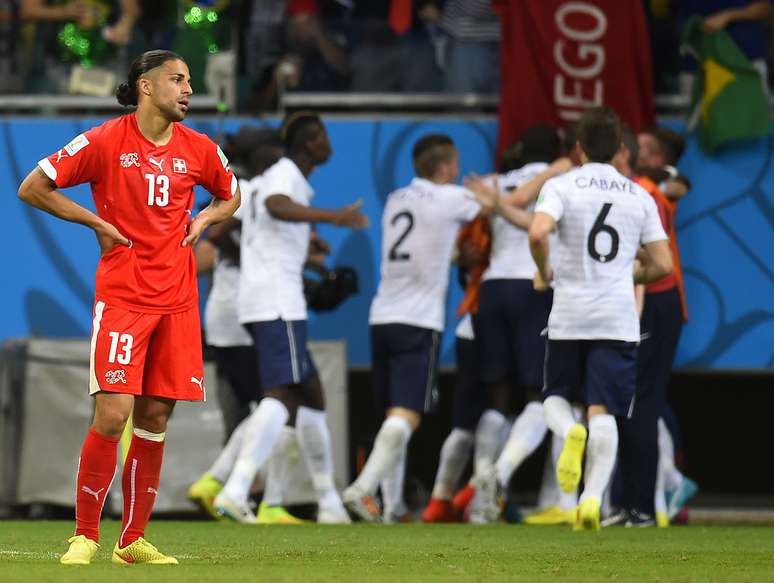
(602, 184)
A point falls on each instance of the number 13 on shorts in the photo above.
(118, 344)
(147, 354)
(125, 342)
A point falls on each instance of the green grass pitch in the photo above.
(212, 552)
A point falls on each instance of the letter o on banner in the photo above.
(598, 15)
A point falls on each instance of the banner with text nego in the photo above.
(560, 57)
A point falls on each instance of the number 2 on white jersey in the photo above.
(408, 219)
(126, 340)
(162, 182)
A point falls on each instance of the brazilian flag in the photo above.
(728, 98)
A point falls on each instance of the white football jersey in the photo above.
(273, 252)
(221, 321)
(419, 229)
(510, 257)
(602, 218)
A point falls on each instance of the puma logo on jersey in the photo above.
(199, 382)
(152, 490)
(157, 163)
(91, 492)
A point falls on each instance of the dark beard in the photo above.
(174, 114)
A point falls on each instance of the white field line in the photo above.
(52, 555)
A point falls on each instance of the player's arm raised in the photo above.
(488, 196)
(40, 191)
(528, 192)
(542, 225)
(283, 208)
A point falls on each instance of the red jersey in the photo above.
(146, 192)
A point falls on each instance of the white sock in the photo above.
(601, 450)
(454, 457)
(262, 429)
(559, 415)
(505, 433)
(527, 434)
(659, 501)
(391, 440)
(224, 463)
(548, 495)
(277, 467)
(315, 440)
(666, 458)
(488, 440)
(392, 486)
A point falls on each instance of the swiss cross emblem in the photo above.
(178, 165)
(130, 159)
(115, 376)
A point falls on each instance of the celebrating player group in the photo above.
(570, 321)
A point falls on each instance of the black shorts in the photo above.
(283, 357)
(404, 362)
(592, 372)
(470, 397)
(239, 365)
(508, 326)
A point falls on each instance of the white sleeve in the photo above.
(278, 180)
(464, 207)
(550, 201)
(652, 230)
(244, 189)
(239, 213)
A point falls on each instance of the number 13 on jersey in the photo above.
(158, 183)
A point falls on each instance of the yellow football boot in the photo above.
(141, 551)
(552, 516)
(588, 515)
(275, 515)
(569, 466)
(203, 492)
(81, 552)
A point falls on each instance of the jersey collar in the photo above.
(136, 128)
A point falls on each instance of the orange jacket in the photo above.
(475, 236)
(666, 210)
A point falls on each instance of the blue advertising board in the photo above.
(725, 230)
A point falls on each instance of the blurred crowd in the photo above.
(415, 46)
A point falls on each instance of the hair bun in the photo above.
(125, 95)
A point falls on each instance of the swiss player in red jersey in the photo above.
(146, 339)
